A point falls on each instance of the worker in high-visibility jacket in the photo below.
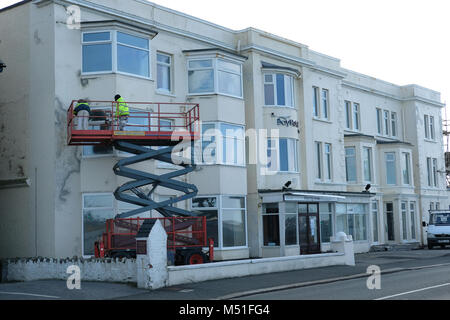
(122, 111)
(82, 111)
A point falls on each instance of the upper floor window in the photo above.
(428, 122)
(278, 90)
(379, 122)
(321, 103)
(282, 155)
(432, 172)
(406, 168)
(350, 164)
(391, 176)
(164, 72)
(115, 51)
(223, 143)
(386, 123)
(394, 124)
(202, 75)
(367, 164)
(352, 111)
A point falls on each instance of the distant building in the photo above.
(339, 131)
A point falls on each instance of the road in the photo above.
(431, 283)
(416, 274)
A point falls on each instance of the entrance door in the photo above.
(389, 215)
(309, 228)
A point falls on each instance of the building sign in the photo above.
(282, 121)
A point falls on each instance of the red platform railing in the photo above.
(148, 123)
(181, 232)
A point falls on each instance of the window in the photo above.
(223, 143)
(325, 104)
(282, 155)
(271, 224)
(394, 124)
(404, 222)
(379, 122)
(316, 102)
(164, 72)
(412, 212)
(326, 221)
(435, 182)
(431, 127)
(203, 72)
(319, 160)
(429, 170)
(97, 208)
(97, 52)
(391, 177)
(386, 122)
(406, 168)
(426, 126)
(278, 90)
(328, 161)
(348, 114)
(350, 164)
(290, 224)
(209, 207)
(132, 53)
(351, 219)
(225, 219)
(367, 164)
(432, 172)
(233, 221)
(375, 220)
(356, 116)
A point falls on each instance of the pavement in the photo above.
(234, 288)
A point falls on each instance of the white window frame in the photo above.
(113, 208)
(356, 113)
(220, 208)
(114, 44)
(215, 69)
(325, 106)
(316, 102)
(379, 121)
(386, 122)
(394, 126)
(355, 167)
(432, 130)
(375, 213)
(286, 77)
(394, 161)
(318, 159)
(328, 161)
(219, 156)
(291, 156)
(367, 151)
(348, 115)
(426, 124)
(406, 168)
(167, 65)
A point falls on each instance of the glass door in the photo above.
(389, 212)
(309, 228)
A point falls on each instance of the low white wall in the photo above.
(110, 270)
(231, 269)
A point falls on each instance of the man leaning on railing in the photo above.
(121, 111)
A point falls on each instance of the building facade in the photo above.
(290, 141)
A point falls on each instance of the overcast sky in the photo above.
(399, 41)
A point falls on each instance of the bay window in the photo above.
(350, 164)
(223, 143)
(215, 75)
(351, 218)
(115, 51)
(225, 219)
(278, 90)
(391, 176)
(282, 155)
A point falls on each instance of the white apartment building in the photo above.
(338, 131)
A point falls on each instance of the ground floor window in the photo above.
(351, 218)
(375, 221)
(225, 219)
(326, 221)
(97, 208)
(271, 224)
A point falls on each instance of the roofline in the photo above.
(15, 5)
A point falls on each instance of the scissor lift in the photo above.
(163, 125)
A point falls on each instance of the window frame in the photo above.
(346, 164)
(367, 151)
(274, 82)
(219, 207)
(168, 65)
(278, 153)
(114, 56)
(219, 154)
(214, 67)
(406, 168)
(394, 163)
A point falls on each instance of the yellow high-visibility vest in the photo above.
(122, 108)
(76, 109)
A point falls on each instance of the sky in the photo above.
(398, 41)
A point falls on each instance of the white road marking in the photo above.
(413, 291)
(29, 294)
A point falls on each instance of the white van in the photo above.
(438, 233)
